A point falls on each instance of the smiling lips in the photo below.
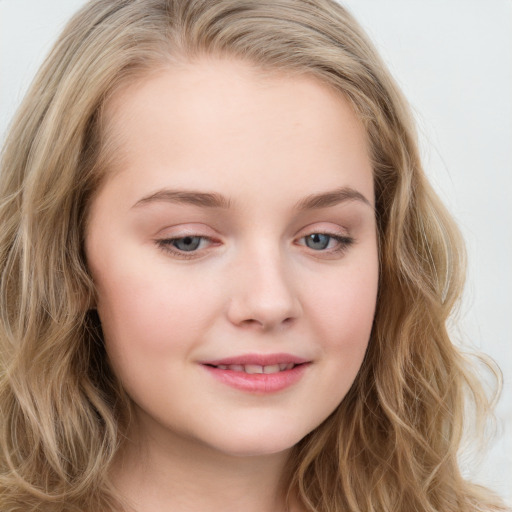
(256, 373)
(256, 368)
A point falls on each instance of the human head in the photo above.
(59, 150)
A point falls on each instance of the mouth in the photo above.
(253, 369)
(258, 374)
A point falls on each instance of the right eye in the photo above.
(185, 246)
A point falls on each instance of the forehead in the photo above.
(233, 114)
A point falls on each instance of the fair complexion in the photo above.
(236, 235)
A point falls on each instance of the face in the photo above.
(234, 253)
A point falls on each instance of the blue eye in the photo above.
(187, 243)
(186, 247)
(327, 244)
(318, 241)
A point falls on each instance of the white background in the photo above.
(453, 59)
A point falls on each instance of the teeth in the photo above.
(253, 368)
(256, 368)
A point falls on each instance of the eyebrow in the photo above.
(331, 198)
(215, 200)
(192, 197)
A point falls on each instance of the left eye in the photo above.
(187, 243)
(325, 242)
(318, 241)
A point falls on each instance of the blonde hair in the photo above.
(392, 443)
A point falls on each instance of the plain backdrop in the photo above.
(453, 60)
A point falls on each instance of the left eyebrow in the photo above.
(331, 198)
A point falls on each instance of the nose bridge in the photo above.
(263, 289)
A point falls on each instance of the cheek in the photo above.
(149, 330)
(345, 307)
(342, 315)
(153, 313)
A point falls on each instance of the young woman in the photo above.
(224, 277)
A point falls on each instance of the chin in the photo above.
(260, 443)
(243, 450)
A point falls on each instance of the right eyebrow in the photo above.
(192, 197)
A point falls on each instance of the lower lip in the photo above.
(260, 383)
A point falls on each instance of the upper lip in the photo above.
(257, 359)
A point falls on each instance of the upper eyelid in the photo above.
(183, 232)
(339, 231)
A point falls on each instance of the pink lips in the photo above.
(258, 373)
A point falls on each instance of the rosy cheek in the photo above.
(149, 315)
(345, 309)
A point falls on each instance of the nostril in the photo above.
(263, 306)
(266, 323)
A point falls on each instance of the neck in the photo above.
(171, 472)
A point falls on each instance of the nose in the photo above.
(263, 293)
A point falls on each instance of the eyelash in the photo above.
(343, 243)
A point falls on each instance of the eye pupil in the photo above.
(318, 241)
(187, 243)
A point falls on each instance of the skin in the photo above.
(255, 284)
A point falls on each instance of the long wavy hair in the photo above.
(391, 445)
